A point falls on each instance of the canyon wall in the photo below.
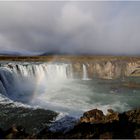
(78, 68)
(107, 69)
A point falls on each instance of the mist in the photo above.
(91, 27)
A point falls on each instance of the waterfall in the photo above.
(56, 71)
(17, 76)
(20, 80)
(85, 74)
(7, 81)
(48, 70)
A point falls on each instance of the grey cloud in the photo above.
(70, 27)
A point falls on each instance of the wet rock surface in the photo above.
(96, 116)
(92, 125)
(31, 119)
(92, 116)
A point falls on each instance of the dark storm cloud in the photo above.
(70, 27)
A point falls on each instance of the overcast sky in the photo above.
(70, 27)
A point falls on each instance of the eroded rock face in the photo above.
(133, 69)
(107, 69)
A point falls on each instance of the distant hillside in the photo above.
(17, 53)
(9, 53)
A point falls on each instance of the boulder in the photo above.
(92, 116)
(133, 116)
(111, 116)
(97, 116)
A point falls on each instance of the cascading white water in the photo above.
(56, 71)
(48, 70)
(28, 79)
(85, 74)
(7, 79)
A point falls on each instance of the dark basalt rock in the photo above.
(33, 120)
(133, 116)
(92, 125)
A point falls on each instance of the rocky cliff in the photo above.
(107, 69)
